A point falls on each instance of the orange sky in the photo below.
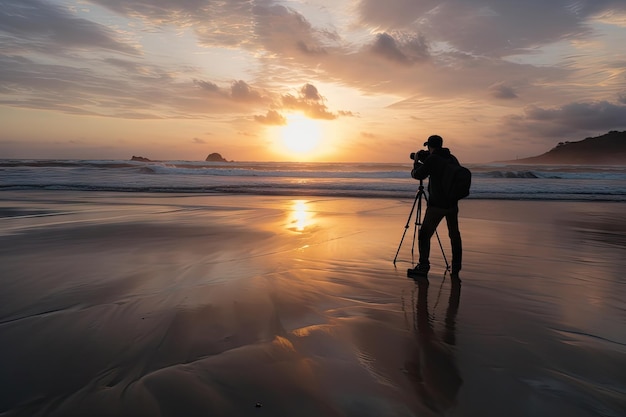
(342, 80)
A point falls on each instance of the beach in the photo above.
(148, 304)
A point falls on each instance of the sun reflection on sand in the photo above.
(300, 217)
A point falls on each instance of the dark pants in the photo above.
(432, 218)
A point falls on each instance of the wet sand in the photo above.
(172, 305)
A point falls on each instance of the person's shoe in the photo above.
(420, 270)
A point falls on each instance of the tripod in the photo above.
(418, 202)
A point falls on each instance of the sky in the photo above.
(316, 80)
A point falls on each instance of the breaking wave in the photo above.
(489, 181)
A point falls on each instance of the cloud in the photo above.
(309, 102)
(612, 17)
(215, 23)
(162, 11)
(393, 13)
(198, 141)
(142, 91)
(231, 23)
(207, 86)
(271, 118)
(293, 48)
(577, 119)
(385, 45)
(600, 115)
(147, 90)
(407, 52)
(35, 25)
(309, 92)
(503, 91)
(241, 91)
(457, 61)
(310, 50)
(484, 27)
(47, 86)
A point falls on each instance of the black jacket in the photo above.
(433, 166)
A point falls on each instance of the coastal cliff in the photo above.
(608, 149)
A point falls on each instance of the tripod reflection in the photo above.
(432, 367)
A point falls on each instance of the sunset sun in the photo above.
(300, 135)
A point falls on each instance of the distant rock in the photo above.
(140, 159)
(215, 157)
(608, 149)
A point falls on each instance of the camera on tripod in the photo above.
(420, 155)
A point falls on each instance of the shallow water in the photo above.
(143, 304)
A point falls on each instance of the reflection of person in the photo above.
(453, 308)
(438, 207)
(433, 369)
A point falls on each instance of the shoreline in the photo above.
(187, 304)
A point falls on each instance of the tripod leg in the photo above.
(442, 251)
(418, 222)
(406, 227)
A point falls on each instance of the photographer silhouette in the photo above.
(432, 164)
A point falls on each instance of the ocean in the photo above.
(383, 180)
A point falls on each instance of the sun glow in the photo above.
(300, 135)
(301, 216)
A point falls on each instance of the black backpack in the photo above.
(456, 182)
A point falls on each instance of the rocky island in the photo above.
(140, 159)
(215, 157)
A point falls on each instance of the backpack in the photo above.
(456, 182)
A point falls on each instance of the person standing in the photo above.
(439, 206)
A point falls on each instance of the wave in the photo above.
(315, 170)
(337, 189)
(64, 164)
(315, 179)
(511, 174)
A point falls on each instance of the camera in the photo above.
(420, 155)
